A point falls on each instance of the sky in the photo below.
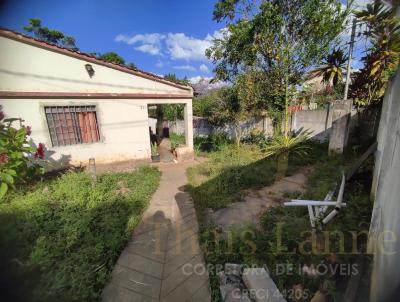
(159, 36)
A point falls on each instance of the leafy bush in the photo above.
(282, 146)
(176, 140)
(154, 149)
(256, 137)
(211, 143)
(19, 161)
(173, 112)
(60, 240)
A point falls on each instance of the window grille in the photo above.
(70, 125)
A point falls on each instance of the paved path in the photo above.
(158, 262)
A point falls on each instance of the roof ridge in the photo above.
(5, 32)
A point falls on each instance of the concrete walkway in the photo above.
(159, 262)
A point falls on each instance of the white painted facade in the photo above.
(122, 121)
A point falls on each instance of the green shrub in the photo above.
(256, 137)
(176, 140)
(19, 161)
(211, 143)
(61, 239)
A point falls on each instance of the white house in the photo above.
(82, 107)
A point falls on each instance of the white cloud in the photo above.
(147, 43)
(204, 68)
(204, 83)
(185, 67)
(148, 48)
(177, 46)
(198, 79)
(182, 47)
(154, 38)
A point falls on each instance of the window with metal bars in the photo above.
(70, 125)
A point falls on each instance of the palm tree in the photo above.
(382, 58)
(282, 146)
(333, 68)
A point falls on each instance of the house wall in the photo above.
(123, 122)
(25, 67)
(123, 126)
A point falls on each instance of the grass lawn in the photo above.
(282, 234)
(60, 239)
(229, 171)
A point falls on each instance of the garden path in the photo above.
(257, 201)
(159, 261)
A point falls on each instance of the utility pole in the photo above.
(353, 34)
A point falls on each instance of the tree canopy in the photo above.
(56, 37)
(291, 35)
(382, 55)
(112, 57)
(49, 35)
(275, 41)
(172, 77)
(332, 69)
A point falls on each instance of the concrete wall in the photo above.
(385, 223)
(202, 128)
(318, 122)
(123, 126)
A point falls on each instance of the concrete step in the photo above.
(261, 286)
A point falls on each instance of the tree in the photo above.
(232, 105)
(56, 37)
(170, 111)
(49, 35)
(382, 55)
(131, 65)
(112, 57)
(332, 69)
(173, 78)
(281, 39)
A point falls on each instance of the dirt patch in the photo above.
(257, 201)
(123, 187)
(121, 166)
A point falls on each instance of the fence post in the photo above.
(92, 171)
(341, 113)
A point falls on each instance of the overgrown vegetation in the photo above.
(210, 143)
(19, 160)
(382, 52)
(283, 240)
(60, 239)
(176, 140)
(270, 45)
(221, 180)
(230, 170)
